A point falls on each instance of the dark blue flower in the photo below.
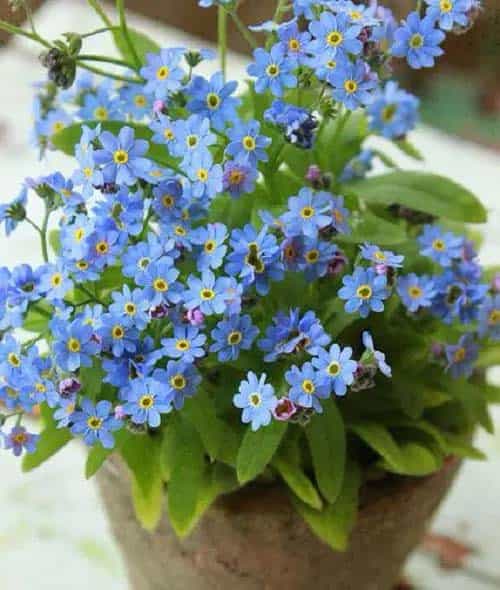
(232, 335)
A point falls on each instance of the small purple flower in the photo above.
(284, 410)
(239, 178)
(462, 356)
(20, 439)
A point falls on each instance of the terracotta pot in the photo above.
(253, 539)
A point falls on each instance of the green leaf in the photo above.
(335, 522)
(38, 317)
(257, 450)
(489, 356)
(429, 193)
(385, 159)
(380, 440)
(92, 379)
(416, 460)
(186, 477)
(55, 240)
(141, 453)
(95, 460)
(409, 149)
(287, 463)
(51, 441)
(327, 442)
(142, 43)
(372, 228)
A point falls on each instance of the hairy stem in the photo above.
(13, 30)
(120, 6)
(109, 74)
(95, 4)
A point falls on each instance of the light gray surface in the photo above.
(53, 533)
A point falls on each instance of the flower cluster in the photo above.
(215, 240)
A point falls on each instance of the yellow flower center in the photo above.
(56, 280)
(162, 73)
(388, 113)
(355, 14)
(120, 157)
(202, 174)
(146, 401)
(168, 201)
(234, 338)
(130, 308)
(179, 231)
(14, 360)
(20, 438)
(101, 114)
(178, 381)
(446, 5)
(294, 45)
(350, 86)
(183, 345)
(118, 332)
(58, 126)
(209, 246)
(415, 292)
(140, 100)
(459, 355)
(273, 70)
(334, 38)
(312, 256)
(333, 369)
(79, 234)
(494, 317)
(307, 212)
(380, 256)
(255, 399)
(192, 141)
(94, 423)
(74, 345)
(102, 247)
(416, 41)
(160, 285)
(236, 177)
(82, 265)
(168, 134)
(213, 101)
(40, 387)
(308, 387)
(364, 292)
(207, 294)
(439, 245)
(87, 172)
(249, 143)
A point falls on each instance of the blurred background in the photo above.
(53, 533)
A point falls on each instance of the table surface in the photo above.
(53, 533)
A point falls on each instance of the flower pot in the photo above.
(253, 539)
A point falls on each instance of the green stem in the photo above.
(222, 39)
(43, 235)
(100, 11)
(279, 10)
(341, 126)
(104, 59)
(13, 30)
(97, 32)
(109, 74)
(247, 35)
(120, 6)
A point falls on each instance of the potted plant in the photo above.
(276, 359)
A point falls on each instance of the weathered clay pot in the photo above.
(253, 539)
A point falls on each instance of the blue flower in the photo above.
(257, 400)
(418, 40)
(88, 175)
(205, 176)
(193, 137)
(105, 245)
(55, 281)
(13, 213)
(307, 386)
(364, 291)
(100, 106)
(181, 381)
(96, 423)
(75, 236)
(19, 440)
(316, 256)
(335, 35)
(255, 258)
(187, 344)
(340, 216)
(304, 8)
(137, 103)
(163, 73)
(232, 335)
(393, 112)
(146, 401)
(374, 357)
(307, 213)
(239, 178)
(336, 367)
(380, 257)
(74, 344)
(293, 333)
(462, 356)
(138, 257)
(246, 145)
(131, 306)
(160, 282)
(416, 292)
(489, 318)
(212, 240)
(209, 3)
(273, 70)
(449, 12)
(169, 202)
(298, 124)
(213, 99)
(353, 84)
(208, 293)
(294, 41)
(443, 248)
(117, 335)
(164, 130)
(122, 157)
